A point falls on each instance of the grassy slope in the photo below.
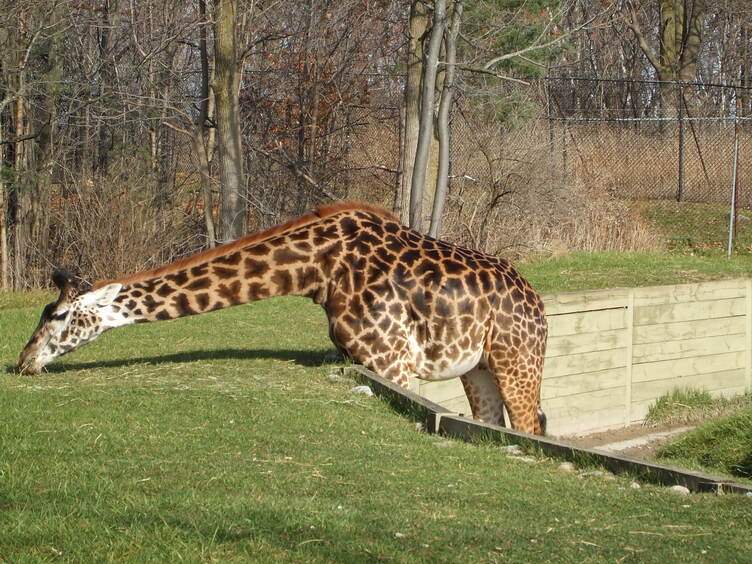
(696, 236)
(220, 437)
(723, 444)
(685, 406)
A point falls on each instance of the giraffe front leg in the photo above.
(389, 356)
(483, 395)
(394, 367)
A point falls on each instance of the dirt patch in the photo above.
(636, 441)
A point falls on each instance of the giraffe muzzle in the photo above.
(28, 363)
(29, 368)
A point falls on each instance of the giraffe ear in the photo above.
(62, 278)
(65, 281)
(101, 297)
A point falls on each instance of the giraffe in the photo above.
(398, 302)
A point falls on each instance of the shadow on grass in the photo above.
(302, 357)
(280, 533)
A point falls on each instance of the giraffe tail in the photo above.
(542, 421)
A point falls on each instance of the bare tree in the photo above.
(445, 105)
(226, 92)
(418, 27)
(26, 115)
(433, 190)
(680, 32)
(425, 133)
(203, 137)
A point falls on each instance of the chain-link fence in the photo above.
(583, 164)
(589, 164)
(539, 169)
(678, 150)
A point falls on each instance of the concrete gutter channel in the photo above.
(640, 441)
(442, 421)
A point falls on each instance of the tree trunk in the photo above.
(418, 28)
(106, 82)
(744, 66)
(4, 258)
(680, 32)
(447, 94)
(432, 164)
(43, 119)
(200, 136)
(197, 139)
(21, 196)
(226, 92)
(425, 133)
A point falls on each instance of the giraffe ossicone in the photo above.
(398, 302)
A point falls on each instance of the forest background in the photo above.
(133, 132)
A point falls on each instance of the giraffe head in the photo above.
(74, 319)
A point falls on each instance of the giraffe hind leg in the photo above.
(483, 395)
(518, 382)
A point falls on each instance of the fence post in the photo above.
(564, 157)
(550, 121)
(749, 337)
(732, 208)
(680, 188)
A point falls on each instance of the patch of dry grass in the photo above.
(514, 199)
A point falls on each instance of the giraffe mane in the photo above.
(321, 212)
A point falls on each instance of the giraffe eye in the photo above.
(59, 316)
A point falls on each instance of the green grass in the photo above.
(723, 444)
(722, 441)
(679, 406)
(13, 300)
(220, 438)
(698, 227)
(689, 405)
(590, 271)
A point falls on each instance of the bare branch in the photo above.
(176, 128)
(298, 170)
(27, 137)
(634, 25)
(482, 70)
(537, 45)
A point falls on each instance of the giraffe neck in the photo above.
(282, 265)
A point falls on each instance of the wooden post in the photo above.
(748, 345)
(630, 358)
(680, 187)
(734, 180)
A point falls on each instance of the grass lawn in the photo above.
(720, 442)
(590, 271)
(221, 438)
